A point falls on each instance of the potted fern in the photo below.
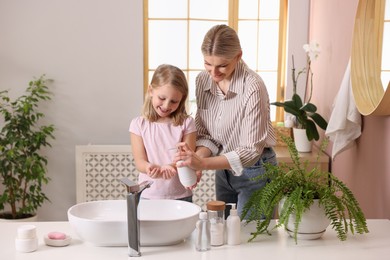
(22, 166)
(295, 190)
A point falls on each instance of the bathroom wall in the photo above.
(366, 166)
(92, 49)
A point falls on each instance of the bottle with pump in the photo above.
(202, 242)
(233, 226)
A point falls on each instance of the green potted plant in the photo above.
(295, 189)
(22, 166)
(304, 112)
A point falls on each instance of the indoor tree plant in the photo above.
(294, 189)
(304, 112)
(22, 166)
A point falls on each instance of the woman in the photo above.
(235, 134)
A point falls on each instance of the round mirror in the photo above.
(371, 93)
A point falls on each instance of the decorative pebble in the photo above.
(56, 236)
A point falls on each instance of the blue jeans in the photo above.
(238, 189)
(189, 199)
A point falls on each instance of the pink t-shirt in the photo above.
(158, 139)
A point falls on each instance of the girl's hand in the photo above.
(153, 171)
(168, 171)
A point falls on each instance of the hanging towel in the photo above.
(344, 125)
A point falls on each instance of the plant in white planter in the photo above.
(304, 113)
(299, 188)
(22, 166)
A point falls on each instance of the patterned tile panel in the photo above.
(205, 191)
(103, 172)
(99, 174)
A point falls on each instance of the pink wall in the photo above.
(366, 167)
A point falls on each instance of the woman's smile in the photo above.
(220, 68)
(217, 76)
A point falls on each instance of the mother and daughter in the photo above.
(232, 131)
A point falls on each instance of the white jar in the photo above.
(26, 239)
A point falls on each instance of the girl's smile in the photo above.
(165, 99)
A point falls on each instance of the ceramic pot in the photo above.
(301, 141)
(313, 224)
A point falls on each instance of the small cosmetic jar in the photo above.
(26, 239)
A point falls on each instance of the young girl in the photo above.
(154, 135)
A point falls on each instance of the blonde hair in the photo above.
(173, 76)
(221, 40)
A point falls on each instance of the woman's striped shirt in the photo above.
(236, 125)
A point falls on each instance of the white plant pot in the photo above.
(301, 141)
(313, 223)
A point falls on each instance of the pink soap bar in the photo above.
(56, 235)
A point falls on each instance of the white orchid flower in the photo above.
(312, 50)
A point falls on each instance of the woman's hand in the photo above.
(198, 177)
(187, 157)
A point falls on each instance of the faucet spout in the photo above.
(134, 191)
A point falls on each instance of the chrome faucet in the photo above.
(134, 191)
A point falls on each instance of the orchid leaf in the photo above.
(311, 131)
(319, 120)
(309, 107)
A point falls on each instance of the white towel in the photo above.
(344, 125)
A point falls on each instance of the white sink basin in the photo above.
(163, 222)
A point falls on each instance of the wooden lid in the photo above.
(216, 205)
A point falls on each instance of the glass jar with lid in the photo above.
(216, 213)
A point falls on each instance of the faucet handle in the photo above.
(133, 187)
(130, 185)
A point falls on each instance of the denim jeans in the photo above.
(189, 199)
(238, 189)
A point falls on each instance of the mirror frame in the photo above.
(370, 96)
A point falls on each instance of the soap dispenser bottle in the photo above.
(233, 226)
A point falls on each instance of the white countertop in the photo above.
(374, 245)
